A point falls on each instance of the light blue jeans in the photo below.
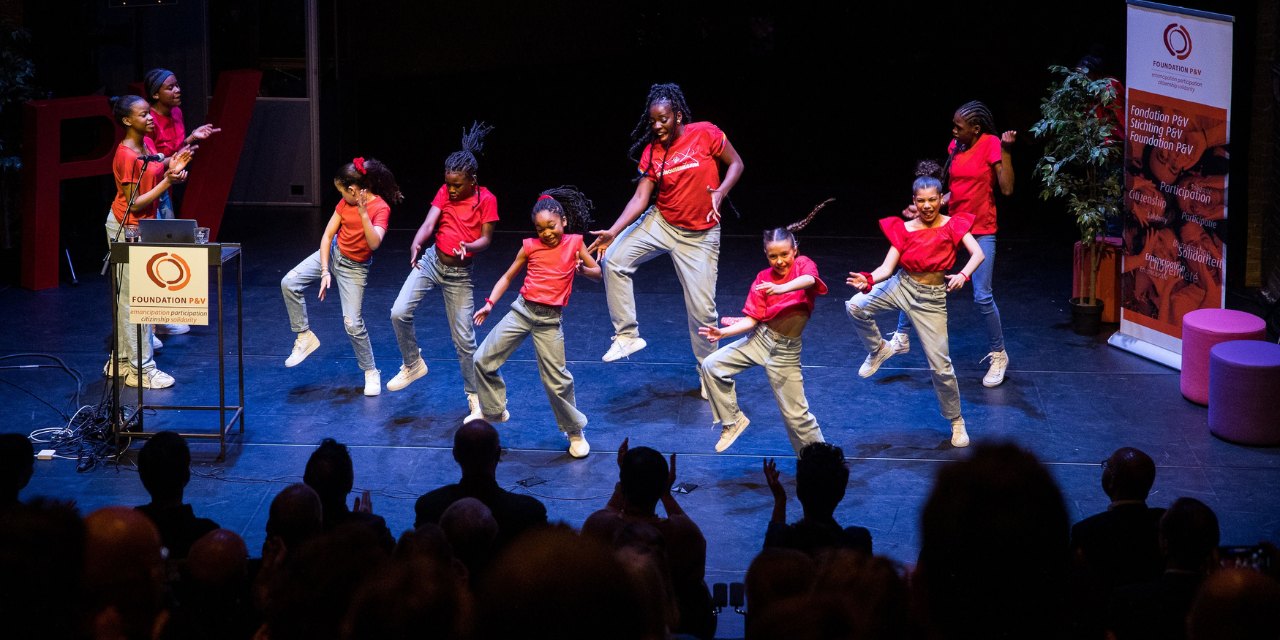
(164, 208)
(981, 282)
(543, 322)
(926, 306)
(348, 277)
(131, 354)
(459, 305)
(696, 258)
(780, 357)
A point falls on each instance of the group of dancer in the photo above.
(686, 170)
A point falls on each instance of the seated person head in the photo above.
(295, 515)
(822, 475)
(476, 447)
(164, 466)
(643, 476)
(1189, 535)
(17, 463)
(329, 472)
(1128, 474)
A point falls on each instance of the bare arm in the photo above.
(882, 272)
(957, 280)
(481, 243)
(635, 206)
(733, 170)
(326, 239)
(1004, 168)
(500, 287)
(779, 492)
(372, 234)
(803, 282)
(714, 334)
(587, 265)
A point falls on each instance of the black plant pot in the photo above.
(1086, 319)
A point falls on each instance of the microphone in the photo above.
(155, 157)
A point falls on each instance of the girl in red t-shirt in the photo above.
(552, 258)
(462, 218)
(778, 307)
(926, 248)
(680, 173)
(140, 181)
(354, 232)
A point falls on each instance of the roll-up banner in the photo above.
(1177, 162)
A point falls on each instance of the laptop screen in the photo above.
(175, 231)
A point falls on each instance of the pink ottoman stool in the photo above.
(1203, 328)
(1244, 381)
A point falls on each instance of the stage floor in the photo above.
(1071, 400)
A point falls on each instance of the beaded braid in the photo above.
(377, 178)
(567, 202)
(464, 160)
(973, 112)
(787, 233)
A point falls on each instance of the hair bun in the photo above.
(929, 168)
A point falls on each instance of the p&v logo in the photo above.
(1177, 40)
(168, 271)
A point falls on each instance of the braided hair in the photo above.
(972, 112)
(786, 234)
(464, 160)
(567, 202)
(376, 177)
(642, 135)
(122, 107)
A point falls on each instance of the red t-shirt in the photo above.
(550, 271)
(929, 249)
(350, 236)
(684, 172)
(126, 167)
(464, 220)
(764, 307)
(170, 131)
(973, 179)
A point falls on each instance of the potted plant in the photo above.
(1083, 164)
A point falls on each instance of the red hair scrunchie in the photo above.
(359, 162)
(545, 197)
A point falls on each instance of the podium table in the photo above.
(228, 415)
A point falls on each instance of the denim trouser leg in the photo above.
(982, 292)
(164, 206)
(927, 307)
(780, 357)
(696, 258)
(349, 278)
(459, 305)
(131, 353)
(548, 343)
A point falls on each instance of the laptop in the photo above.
(174, 231)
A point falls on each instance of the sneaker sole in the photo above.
(992, 385)
(875, 366)
(133, 382)
(737, 433)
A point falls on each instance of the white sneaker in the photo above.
(730, 432)
(152, 379)
(305, 343)
(624, 346)
(473, 406)
(578, 445)
(959, 437)
(173, 329)
(900, 342)
(155, 342)
(372, 382)
(874, 359)
(995, 374)
(407, 375)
